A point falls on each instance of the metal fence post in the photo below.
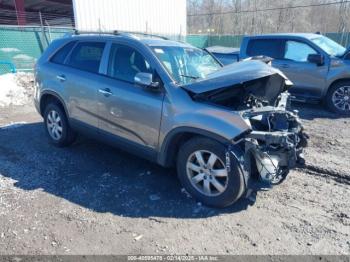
(43, 30)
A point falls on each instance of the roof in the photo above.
(283, 35)
(150, 40)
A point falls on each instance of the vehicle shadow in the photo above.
(312, 111)
(97, 177)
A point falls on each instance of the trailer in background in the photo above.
(165, 17)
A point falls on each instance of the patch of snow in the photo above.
(23, 57)
(9, 49)
(16, 89)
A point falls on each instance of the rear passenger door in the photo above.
(129, 112)
(81, 80)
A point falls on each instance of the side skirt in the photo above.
(113, 140)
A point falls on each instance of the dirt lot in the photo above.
(93, 199)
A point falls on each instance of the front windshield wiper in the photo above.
(193, 77)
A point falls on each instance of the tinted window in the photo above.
(87, 56)
(298, 51)
(268, 47)
(61, 55)
(125, 62)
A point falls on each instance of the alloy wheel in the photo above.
(207, 173)
(54, 125)
(341, 98)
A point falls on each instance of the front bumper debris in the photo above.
(275, 143)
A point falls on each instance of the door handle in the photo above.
(62, 78)
(105, 92)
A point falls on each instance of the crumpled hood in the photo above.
(233, 74)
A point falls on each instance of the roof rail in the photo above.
(118, 32)
(82, 32)
(140, 33)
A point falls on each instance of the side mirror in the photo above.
(146, 80)
(316, 59)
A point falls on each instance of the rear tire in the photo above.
(338, 98)
(225, 187)
(57, 127)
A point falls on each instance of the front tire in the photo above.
(201, 167)
(338, 98)
(57, 127)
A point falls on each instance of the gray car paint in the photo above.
(137, 115)
(233, 74)
(309, 79)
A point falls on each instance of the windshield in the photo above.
(329, 46)
(186, 64)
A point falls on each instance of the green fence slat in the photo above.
(22, 46)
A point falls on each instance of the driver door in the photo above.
(308, 78)
(128, 111)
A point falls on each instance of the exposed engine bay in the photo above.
(275, 141)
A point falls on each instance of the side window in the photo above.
(87, 56)
(298, 51)
(125, 62)
(267, 47)
(62, 53)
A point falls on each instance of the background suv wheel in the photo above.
(338, 98)
(202, 171)
(57, 126)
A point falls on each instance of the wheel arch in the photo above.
(177, 137)
(48, 96)
(334, 82)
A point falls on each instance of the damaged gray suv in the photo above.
(174, 104)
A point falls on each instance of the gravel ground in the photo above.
(94, 199)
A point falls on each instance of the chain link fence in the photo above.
(20, 47)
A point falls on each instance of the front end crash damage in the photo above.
(274, 144)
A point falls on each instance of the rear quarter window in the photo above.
(87, 56)
(60, 56)
(273, 48)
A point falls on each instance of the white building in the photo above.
(165, 17)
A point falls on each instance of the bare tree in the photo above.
(248, 16)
